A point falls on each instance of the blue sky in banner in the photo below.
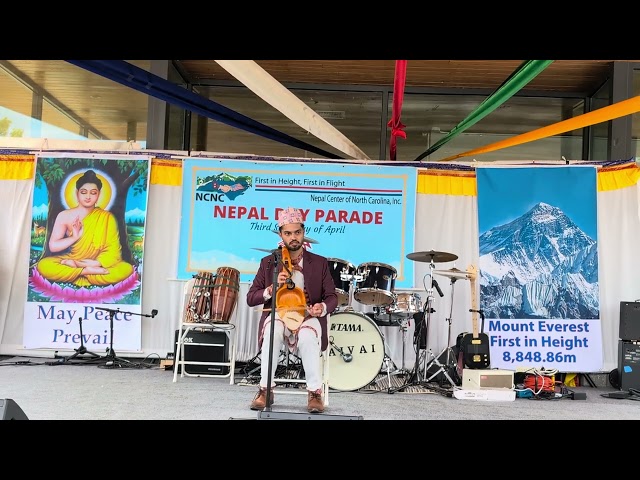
(136, 204)
(357, 213)
(551, 186)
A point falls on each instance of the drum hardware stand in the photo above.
(355, 278)
(450, 360)
(387, 362)
(250, 373)
(403, 370)
(267, 413)
(110, 359)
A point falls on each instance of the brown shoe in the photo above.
(260, 400)
(314, 402)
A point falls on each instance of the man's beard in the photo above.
(294, 249)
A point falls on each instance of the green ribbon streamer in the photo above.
(526, 72)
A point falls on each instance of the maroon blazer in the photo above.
(318, 285)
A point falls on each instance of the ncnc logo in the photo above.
(218, 187)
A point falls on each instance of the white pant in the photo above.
(309, 352)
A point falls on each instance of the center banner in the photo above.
(357, 214)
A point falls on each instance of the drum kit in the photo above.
(358, 350)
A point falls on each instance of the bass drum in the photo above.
(356, 351)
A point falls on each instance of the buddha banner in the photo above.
(86, 253)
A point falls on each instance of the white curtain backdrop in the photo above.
(445, 223)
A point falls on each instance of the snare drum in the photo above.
(376, 287)
(338, 267)
(356, 351)
(405, 305)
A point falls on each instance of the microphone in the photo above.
(154, 312)
(107, 309)
(435, 284)
(347, 357)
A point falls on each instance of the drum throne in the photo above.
(290, 378)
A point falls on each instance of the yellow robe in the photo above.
(100, 241)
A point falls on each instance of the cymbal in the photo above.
(305, 239)
(268, 250)
(454, 273)
(432, 256)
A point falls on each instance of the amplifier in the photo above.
(475, 379)
(629, 365)
(203, 353)
(629, 321)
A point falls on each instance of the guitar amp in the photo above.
(475, 379)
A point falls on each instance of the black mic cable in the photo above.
(435, 284)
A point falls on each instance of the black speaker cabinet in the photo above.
(629, 365)
(629, 321)
(204, 353)
(9, 410)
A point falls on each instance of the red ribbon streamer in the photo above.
(398, 97)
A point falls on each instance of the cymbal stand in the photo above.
(450, 360)
(427, 314)
(415, 377)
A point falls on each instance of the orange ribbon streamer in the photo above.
(617, 110)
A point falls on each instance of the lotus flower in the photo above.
(69, 294)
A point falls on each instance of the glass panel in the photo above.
(67, 95)
(175, 116)
(15, 116)
(355, 114)
(58, 125)
(598, 149)
(429, 118)
(635, 118)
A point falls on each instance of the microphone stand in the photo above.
(111, 360)
(82, 350)
(274, 291)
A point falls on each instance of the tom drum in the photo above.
(337, 267)
(376, 286)
(356, 351)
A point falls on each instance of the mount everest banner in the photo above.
(538, 267)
